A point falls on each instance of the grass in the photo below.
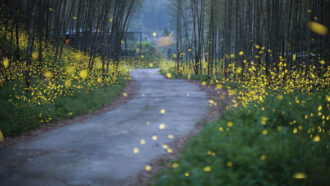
(200, 77)
(138, 63)
(280, 141)
(17, 120)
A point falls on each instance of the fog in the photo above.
(151, 16)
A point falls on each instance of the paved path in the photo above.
(99, 150)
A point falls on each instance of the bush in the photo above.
(281, 141)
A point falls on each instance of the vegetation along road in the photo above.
(111, 148)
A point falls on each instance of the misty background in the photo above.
(152, 16)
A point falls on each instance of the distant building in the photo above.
(131, 43)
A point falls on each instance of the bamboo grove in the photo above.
(57, 48)
(32, 29)
(218, 36)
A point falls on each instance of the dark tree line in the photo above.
(263, 32)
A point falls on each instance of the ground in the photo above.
(100, 150)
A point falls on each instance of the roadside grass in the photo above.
(15, 120)
(147, 62)
(202, 77)
(281, 141)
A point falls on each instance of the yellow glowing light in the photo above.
(264, 132)
(317, 28)
(69, 70)
(207, 169)
(168, 75)
(218, 86)
(239, 70)
(175, 165)
(83, 74)
(162, 111)
(280, 97)
(154, 138)
(241, 53)
(78, 56)
(295, 131)
(35, 55)
(230, 124)
(264, 120)
(263, 157)
(125, 94)
(294, 57)
(136, 150)
(148, 168)
(67, 83)
(154, 34)
(2, 139)
(170, 136)
(48, 74)
(6, 62)
(162, 126)
(299, 175)
(142, 141)
(316, 138)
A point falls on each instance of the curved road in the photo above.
(99, 150)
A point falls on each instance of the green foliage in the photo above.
(148, 50)
(15, 120)
(57, 90)
(198, 77)
(245, 155)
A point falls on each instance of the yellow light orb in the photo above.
(48, 74)
(67, 83)
(83, 74)
(6, 62)
(317, 28)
